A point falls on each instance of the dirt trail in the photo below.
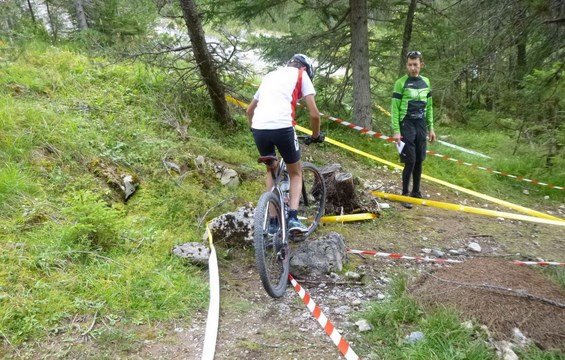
(254, 326)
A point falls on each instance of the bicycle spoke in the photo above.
(313, 197)
(271, 251)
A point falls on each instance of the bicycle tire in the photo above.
(271, 251)
(312, 198)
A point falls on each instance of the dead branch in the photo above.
(504, 290)
(91, 325)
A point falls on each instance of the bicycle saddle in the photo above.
(267, 160)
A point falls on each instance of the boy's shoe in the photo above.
(406, 204)
(417, 195)
(295, 225)
(273, 228)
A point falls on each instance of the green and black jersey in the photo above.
(412, 99)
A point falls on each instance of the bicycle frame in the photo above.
(277, 177)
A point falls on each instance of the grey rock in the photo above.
(363, 325)
(343, 310)
(474, 247)
(352, 275)
(519, 338)
(199, 161)
(234, 228)
(414, 337)
(467, 325)
(504, 350)
(193, 251)
(169, 165)
(227, 176)
(438, 253)
(129, 186)
(321, 256)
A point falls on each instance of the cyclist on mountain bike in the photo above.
(271, 116)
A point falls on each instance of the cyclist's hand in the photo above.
(310, 139)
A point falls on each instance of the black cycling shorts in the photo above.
(284, 140)
(414, 135)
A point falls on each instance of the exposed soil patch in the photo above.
(534, 304)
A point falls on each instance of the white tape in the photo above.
(214, 306)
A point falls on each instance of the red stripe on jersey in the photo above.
(296, 94)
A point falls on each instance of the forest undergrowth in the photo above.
(73, 251)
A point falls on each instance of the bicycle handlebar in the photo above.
(308, 139)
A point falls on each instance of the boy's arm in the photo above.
(430, 114)
(314, 115)
(395, 109)
(430, 108)
(251, 110)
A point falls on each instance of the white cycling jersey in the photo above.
(277, 96)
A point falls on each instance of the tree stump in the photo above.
(341, 194)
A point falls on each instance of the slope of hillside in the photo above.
(87, 274)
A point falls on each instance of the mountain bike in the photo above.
(270, 235)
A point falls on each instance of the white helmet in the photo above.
(306, 62)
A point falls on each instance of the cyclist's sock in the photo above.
(273, 221)
(293, 214)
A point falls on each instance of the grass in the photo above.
(70, 248)
(501, 187)
(444, 335)
(556, 273)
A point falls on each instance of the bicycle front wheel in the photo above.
(271, 247)
(312, 198)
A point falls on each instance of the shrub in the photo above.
(93, 223)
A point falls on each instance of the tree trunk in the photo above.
(204, 61)
(52, 23)
(406, 36)
(31, 11)
(81, 16)
(362, 109)
(521, 60)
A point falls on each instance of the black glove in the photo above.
(310, 139)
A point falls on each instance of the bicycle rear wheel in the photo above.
(271, 248)
(312, 198)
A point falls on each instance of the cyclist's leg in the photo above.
(287, 144)
(266, 147)
(295, 173)
(290, 151)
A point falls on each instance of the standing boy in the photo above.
(412, 122)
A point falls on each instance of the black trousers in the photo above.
(414, 134)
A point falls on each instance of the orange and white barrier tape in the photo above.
(424, 176)
(326, 324)
(213, 318)
(397, 256)
(379, 135)
(538, 263)
(460, 148)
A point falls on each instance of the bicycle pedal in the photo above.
(297, 236)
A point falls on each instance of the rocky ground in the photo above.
(255, 326)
